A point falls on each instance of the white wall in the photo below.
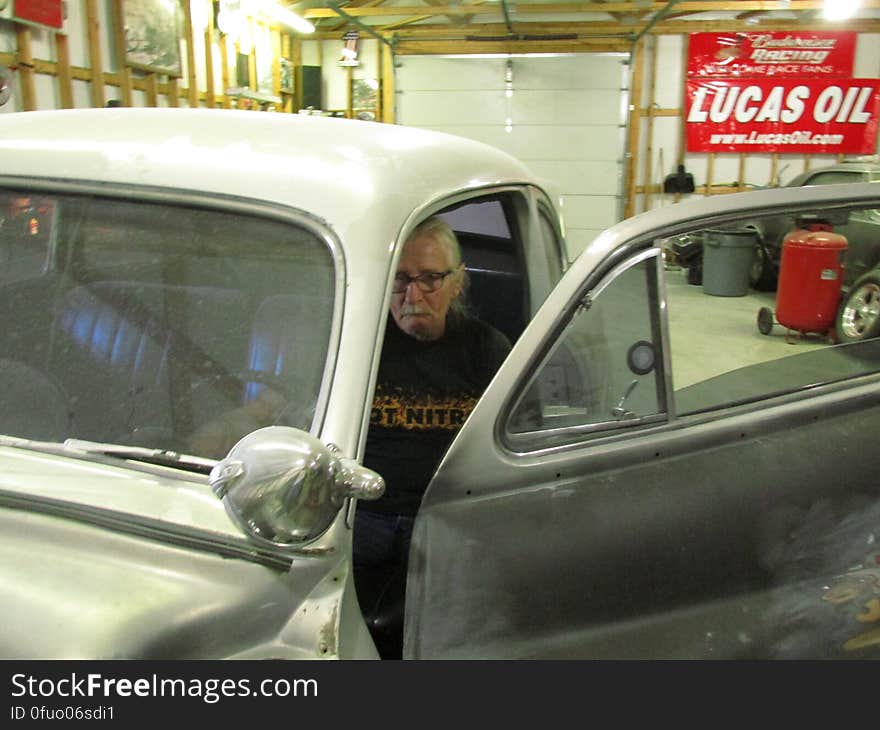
(334, 78)
(561, 115)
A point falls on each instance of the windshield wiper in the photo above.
(160, 457)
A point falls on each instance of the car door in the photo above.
(602, 502)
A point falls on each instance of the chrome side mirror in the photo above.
(283, 486)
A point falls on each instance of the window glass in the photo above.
(160, 325)
(802, 345)
(484, 217)
(497, 277)
(870, 216)
(835, 177)
(719, 356)
(552, 246)
(26, 236)
(604, 372)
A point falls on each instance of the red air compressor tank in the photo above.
(810, 276)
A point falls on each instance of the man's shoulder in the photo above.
(474, 327)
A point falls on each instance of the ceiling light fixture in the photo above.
(840, 9)
(287, 17)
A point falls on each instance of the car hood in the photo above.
(105, 561)
(108, 484)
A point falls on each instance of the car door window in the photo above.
(492, 250)
(799, 351)
(553, 244)
(605, 371)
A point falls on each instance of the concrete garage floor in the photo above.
(715, 334)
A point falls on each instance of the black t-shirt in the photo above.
(424, 392)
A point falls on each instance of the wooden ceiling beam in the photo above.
(614, 30)
(720, 26)
(687, 7)
(328, 27)
(462, 47)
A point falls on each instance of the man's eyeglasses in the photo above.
(426, 283)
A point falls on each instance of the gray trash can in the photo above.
(727, 261)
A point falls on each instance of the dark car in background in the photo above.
(862, 253)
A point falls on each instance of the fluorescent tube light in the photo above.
(287, 17)
(840, 9)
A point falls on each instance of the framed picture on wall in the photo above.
(364, 94)
(286, 75)
(152, 31)
(243, 70)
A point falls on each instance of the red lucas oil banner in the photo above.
(801, 116)
(818, 54)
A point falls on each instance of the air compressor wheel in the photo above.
(765, 320)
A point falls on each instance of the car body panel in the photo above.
(110, 560)
(107, 484)
(655, 540)
(116, 596)
(323, 159)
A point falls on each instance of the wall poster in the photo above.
(152, 35)
(779, 92)
(48, 13)
(783, 115)
(775, 53)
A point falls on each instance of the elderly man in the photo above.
(437, 358)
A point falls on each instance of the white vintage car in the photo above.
(193, 310)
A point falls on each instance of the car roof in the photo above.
(851, 166)
(335, 169)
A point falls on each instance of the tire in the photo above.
(762, 274)
(859, 315)
(765, 320)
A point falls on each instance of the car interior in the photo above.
(492, 253)
(166, 334)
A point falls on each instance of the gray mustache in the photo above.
(411, 309)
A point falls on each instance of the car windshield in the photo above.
(832, 177)
(156, 324)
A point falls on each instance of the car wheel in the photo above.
(761, 276)
(859, 316)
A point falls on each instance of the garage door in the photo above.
(563, 116)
